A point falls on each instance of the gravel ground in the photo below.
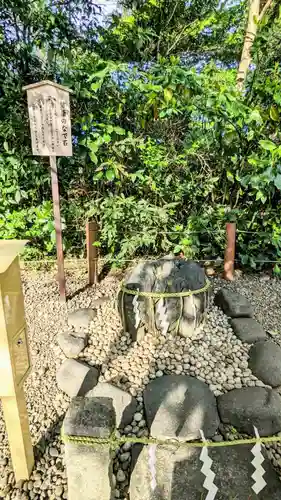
(214, 355)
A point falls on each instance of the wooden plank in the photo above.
(92, 251)
(16, 420)
(57, 217)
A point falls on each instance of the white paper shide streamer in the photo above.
(136, 309)
(256, 462)
(206, 470)
(152, 465)
(162, 315)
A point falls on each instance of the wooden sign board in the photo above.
(50, 126)
(49, 116)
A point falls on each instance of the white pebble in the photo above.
(120, 476)
(137, 417)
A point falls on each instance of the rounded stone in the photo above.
(179, 406)
(249, 407)
(265, 362)
(53, 452)
(138, 417)
(120, 476)
(127, 446)
(248, 330)
(59, 491)
(124, 457)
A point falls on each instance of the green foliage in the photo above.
(164, 152)
(131, 226)
(196, 30)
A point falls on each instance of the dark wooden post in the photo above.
(92, 230)
(229, 256)
(56, 203)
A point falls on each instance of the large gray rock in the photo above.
(248, 330)
(70, 344)
(124, 404)
(233, 304)
(89, 472)
(89, 468)
(179, 476)
(75, 378)
(265, 362)
(178, 406)
(93, 417)
(249, 407)
(81, 318)
(167, 275)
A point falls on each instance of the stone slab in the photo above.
(248, 330)
(233, 304)
(124, 404)
(249, 407)
(89, 472)
(265, 362)
(75, 378)
(179, 476)
(178, 406)
(89, 468)
(93, 417)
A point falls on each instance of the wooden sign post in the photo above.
(92, 251)
(14, 359)
(229, 255)
(50, 126)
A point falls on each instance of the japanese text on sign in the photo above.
(49, 114)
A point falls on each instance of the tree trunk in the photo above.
(251, 30)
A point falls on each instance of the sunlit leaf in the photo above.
(119, 131)
(106, 138)
(168, 94)
(177, 249)
(255, 116)
(230, 176)
(18, 196)
(98, 176)
(274, 113)
(93, 157)
(110, 175)
(95, 86)
(268, 145)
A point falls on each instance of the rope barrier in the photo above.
(104, 259)
(159, 295)
(186, 232)
(77, 229)
(115, 442)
